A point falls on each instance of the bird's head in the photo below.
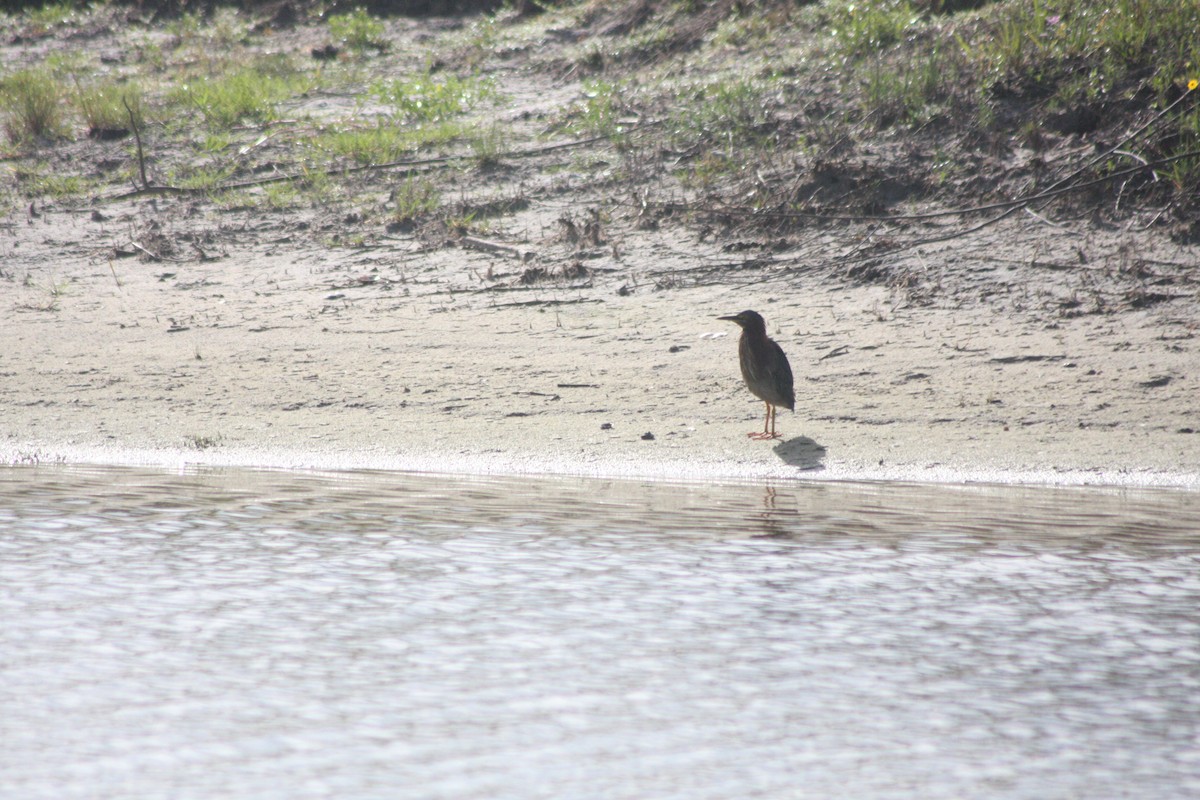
(750, 321)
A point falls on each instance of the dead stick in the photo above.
(475, 243)
(138, 138)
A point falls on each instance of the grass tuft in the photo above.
(385, 142)
(106, 107)
(358, 30)
(249, 94)
(428, 99)
(413, 198)
(487, 144)
(31, 102)
(912, 96)
(864, 28)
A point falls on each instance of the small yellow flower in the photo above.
(1192, 84)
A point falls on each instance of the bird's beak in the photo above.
(731, 319)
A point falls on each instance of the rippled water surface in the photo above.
(240, 634)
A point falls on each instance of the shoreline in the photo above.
(483, 467)
(211, 369)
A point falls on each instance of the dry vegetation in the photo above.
(761, 124)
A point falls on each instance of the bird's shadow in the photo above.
(802, 452)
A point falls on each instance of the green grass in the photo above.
(727, 123)
(216, 142)
(1068, 54)
(60, 186)
(478, 42)
(358, 30)
(42, 19)
(427, 98)
(749, 30)
(1184, 174)
(249, 94)
(30, 105)
(316, 184)
(385, 142)
(211, 37)
(107, 106)
(487, 143)
(46, 180)
(911, 96)
(414, 197)
(206, 179)
(1040, 43)
(282, 195)
(862, 28)
(598, 112)
(734, 109)
(707, 172)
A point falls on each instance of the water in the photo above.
(240, 634)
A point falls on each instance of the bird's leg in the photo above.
(773, 434)
(766, 421)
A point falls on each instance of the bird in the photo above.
(765, 368)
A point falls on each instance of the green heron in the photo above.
(766, 369)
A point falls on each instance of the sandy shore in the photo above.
(1052, 347)
(397, 358)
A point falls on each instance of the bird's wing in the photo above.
(781, 372)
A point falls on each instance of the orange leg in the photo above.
(756, 434)
(768, 419)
